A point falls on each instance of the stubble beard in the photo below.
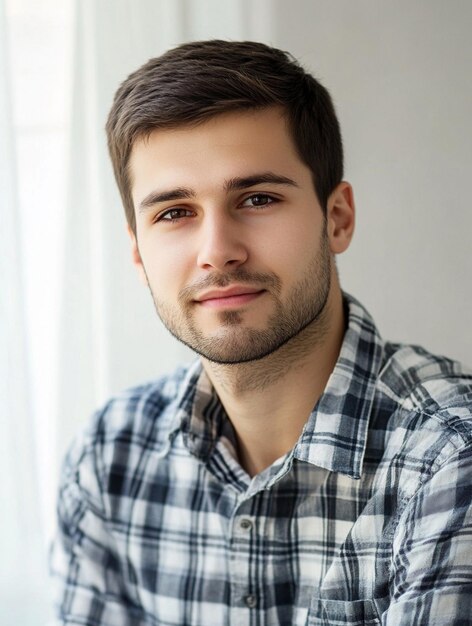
(305, 308)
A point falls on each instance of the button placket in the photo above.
(244, 582)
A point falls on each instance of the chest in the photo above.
(197, 551)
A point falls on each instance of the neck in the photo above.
(268, 401)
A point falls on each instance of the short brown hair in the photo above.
(198, 80)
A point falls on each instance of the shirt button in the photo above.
(251, 601)
(245, 524)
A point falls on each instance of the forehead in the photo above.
(227, 145)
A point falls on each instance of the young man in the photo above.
(302, 470)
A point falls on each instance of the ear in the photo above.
(136, 256)
(341, 217)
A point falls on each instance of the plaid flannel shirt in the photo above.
(367, 520)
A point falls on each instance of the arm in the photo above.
(90, 589)
(431, 581)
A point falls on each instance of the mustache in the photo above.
(265, 280)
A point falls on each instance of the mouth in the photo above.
(229, 298)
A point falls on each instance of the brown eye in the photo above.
(258, 200)
(173, 215)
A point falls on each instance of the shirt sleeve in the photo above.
(85, 565)
(431, 582)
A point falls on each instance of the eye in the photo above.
(173, 215)
(258, 200)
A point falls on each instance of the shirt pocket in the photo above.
(324, 612)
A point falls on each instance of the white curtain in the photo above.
(23, 590)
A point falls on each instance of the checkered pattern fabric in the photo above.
(367, 520)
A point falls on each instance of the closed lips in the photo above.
(219, 294)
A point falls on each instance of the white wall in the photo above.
(400, 74)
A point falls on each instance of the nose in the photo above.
(221, 245)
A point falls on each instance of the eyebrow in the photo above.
(232, 184)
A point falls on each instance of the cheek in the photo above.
(289, 249)
(167, 267)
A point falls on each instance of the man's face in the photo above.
(230, 238)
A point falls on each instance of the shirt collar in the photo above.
(199, 414)
(335, 434)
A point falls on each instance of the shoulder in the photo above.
(430, 399)
(140, 409)
(130, 425)
(424, 381)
